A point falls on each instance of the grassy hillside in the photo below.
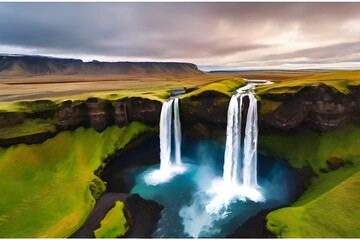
(329, 208)
(49, 189)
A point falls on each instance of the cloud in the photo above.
(218, 34)
(324, 52)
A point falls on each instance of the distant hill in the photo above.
(23, 65)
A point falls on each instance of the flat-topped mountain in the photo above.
(23, 65)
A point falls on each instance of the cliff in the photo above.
(202, 115)
(24, 66)
(320, 108)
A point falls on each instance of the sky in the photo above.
(215, 36)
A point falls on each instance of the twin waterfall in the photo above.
(240, 163)
(240, 160)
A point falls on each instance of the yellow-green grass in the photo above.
(309, 148)
(328, 209)
(339, 80)
(28, 127)
(47, 190)
(268, 106)
(114, 223)
(226, 87)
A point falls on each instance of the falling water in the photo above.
(240, 166)
(165, 135)
(168, 168)
(250, 145)
(177, 132)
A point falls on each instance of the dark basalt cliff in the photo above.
(321, 108)
(40, 65)
(202, 116)
(99, 114)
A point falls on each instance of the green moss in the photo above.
(97, 187)
(268, 106)
(37, 106)
(28, 127)
(47, 189)
(309, 148)
(114, 223)
(329, 207)
(225, 86)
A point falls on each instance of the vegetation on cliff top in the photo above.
(48, 189)
(28, 127)
(339, 80)
(329, 208)
(226, 87)
(114, 223)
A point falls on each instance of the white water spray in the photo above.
(168, 168)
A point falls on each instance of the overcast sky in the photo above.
(211, 35)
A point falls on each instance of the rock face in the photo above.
(143, 216)
(203, 115)
(254, 227)
(209, 107)
(319, 107)
(8, 119)
(73, 116)
(99, 114)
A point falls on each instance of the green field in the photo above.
(329, 208)
(49, 189)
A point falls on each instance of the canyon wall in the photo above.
(320, 108)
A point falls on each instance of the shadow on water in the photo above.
(185, 197)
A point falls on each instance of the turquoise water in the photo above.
(186, 197)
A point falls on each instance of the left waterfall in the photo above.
(169, 165)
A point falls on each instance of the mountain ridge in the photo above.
(34, 65)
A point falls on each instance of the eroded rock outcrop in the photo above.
(99, 114)
(8, 119)
(321, 108)
(203, 115)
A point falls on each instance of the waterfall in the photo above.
(232, 149)
(250, 145)
(165, 135)
(177, 132)
(169, 120)
(240, 163)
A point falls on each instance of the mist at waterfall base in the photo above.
(186, 196)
